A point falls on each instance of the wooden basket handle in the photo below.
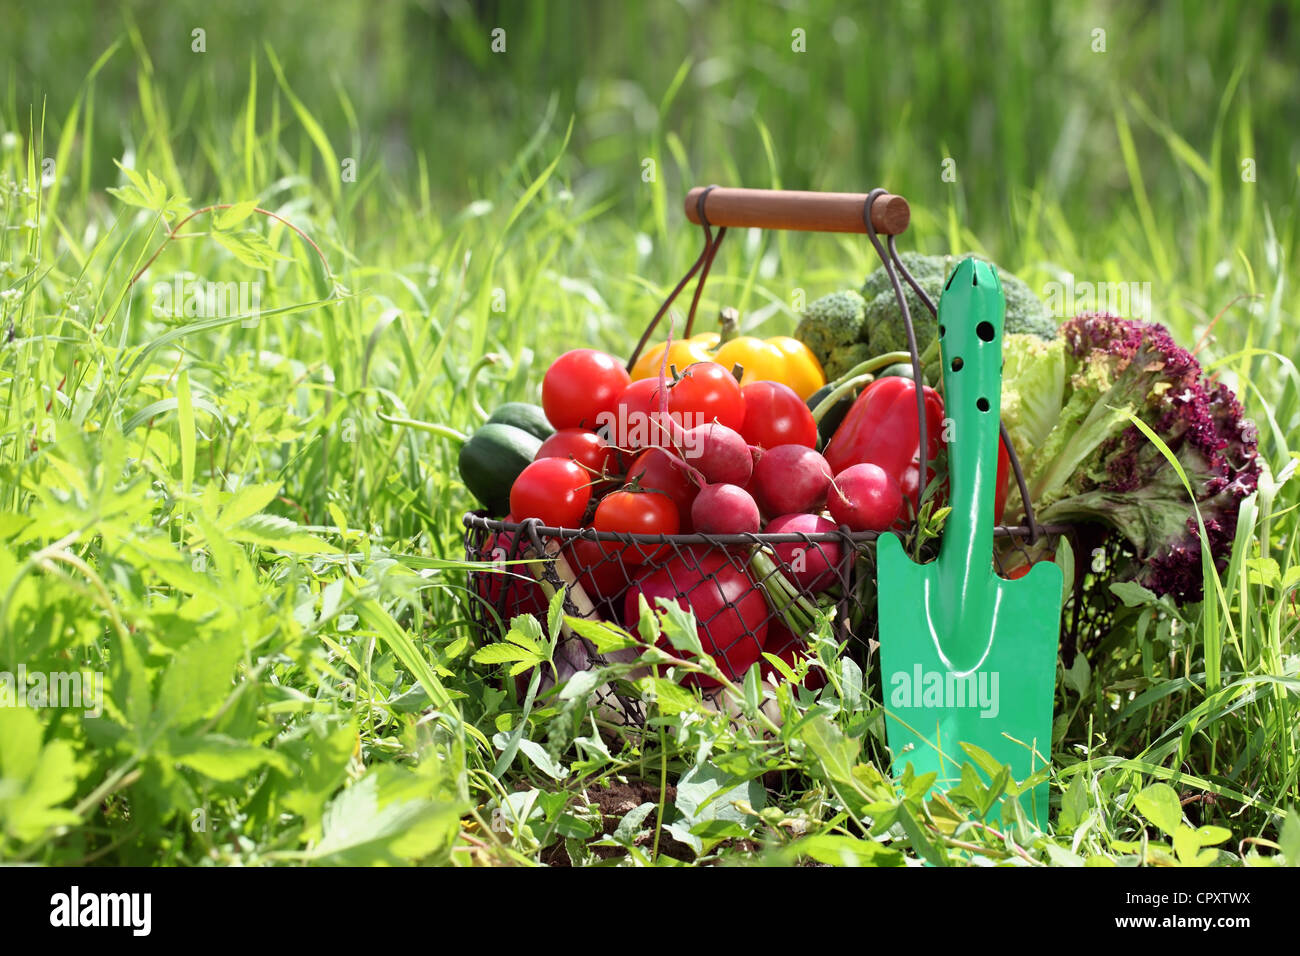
(797, 209)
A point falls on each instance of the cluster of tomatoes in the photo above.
(624, 444)
(695, 452)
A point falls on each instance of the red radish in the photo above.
(724, 509)
(781, 642)
(756, 455)
(791, 478)
(730, 612)
(719, 453)
(865, 498)
(811, 565)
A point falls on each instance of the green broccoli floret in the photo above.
(1026, 313)
(845, 358)
(885, 329)
(925, 269)
(884, 322)
(832, 325)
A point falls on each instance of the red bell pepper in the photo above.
(881, 428)
(1003, 482)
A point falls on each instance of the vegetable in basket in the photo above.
(491, 459)
(730, 612)
(682, 352)
(779, 358)
(882, 429)
(884, 328)
(580, 386)
(1067, 405)
(524, 416)
(509, 587)
(848, 327)
(776, 415)
(834, 328)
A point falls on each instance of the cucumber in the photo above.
(902, 369)
(834, 415)
(491, 461)
(521, 415)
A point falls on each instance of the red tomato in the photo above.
(707, 392)
(813, 566)
(581, 388)
(636, 512)
(586, 448)
(554, 490)
(653, 470)
(638, 423)
(776, 415)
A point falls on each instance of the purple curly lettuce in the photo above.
(1124, 480)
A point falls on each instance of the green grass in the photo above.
(214, 516)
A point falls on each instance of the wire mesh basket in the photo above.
(727, 580)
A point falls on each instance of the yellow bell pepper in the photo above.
(684, 352)
(778, 359)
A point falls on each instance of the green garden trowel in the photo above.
(967, 656)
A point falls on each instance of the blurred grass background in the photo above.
(1109, 140)
(1017, 93)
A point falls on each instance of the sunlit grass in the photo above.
(184, 496)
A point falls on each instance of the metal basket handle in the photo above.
(709, 206)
